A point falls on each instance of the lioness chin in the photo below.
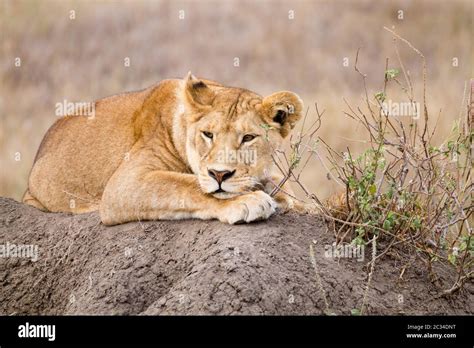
(188, 148)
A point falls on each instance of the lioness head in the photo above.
(232, 133)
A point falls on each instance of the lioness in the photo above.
(189, 148)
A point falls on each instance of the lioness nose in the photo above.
(220, 175)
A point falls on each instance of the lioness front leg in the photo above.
(133, 195)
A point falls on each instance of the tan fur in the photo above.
(144, 155)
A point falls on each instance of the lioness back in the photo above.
(79, 154)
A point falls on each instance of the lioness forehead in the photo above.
(236, 101)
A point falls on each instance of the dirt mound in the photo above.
(197, 267)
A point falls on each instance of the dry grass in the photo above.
(83, 59)
(406, 189)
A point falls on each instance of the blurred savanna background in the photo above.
(79, 51)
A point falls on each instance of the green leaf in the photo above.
(352, 183)
(381, 163)
(355, 311)
(372, 189)
(391, 73)
(416, 223)
(380, 96)
(452, 259)
(267, 127)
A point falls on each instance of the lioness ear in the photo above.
(196, 92)
(282, 110)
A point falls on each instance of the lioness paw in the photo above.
(284, 203)
(250, 207)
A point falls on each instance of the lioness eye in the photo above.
(208, 134)
(248, 137)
